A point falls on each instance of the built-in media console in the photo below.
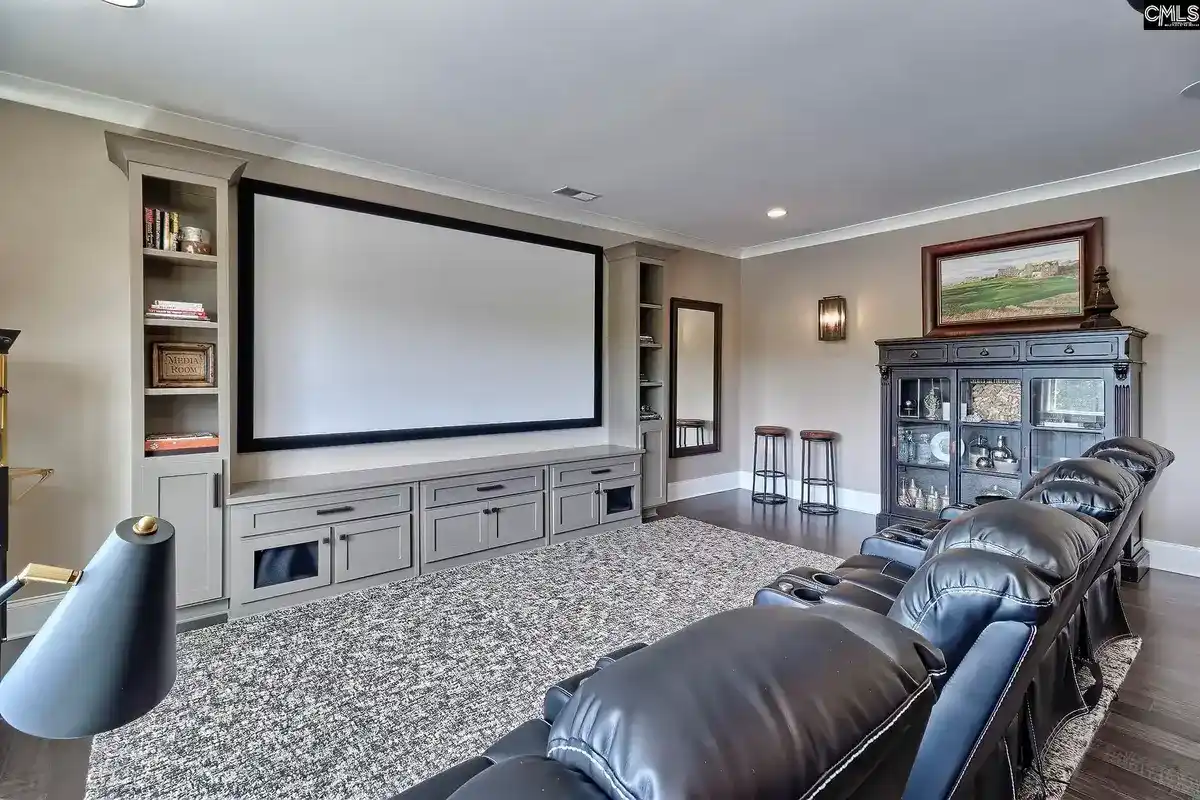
(300, 539)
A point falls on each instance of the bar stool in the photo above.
(682, 426)
(771, 436)
(807, 440)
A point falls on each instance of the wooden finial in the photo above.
(1098, 311)
(145, 526)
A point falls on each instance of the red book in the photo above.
(148, 228)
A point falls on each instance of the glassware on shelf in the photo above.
(905, 454)
(979, 447)
(945, 496)
(924, 449)
(1001, 452)
(909, 409)
(933, 501)
(919, 500)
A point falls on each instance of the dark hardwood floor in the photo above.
(1148, 749)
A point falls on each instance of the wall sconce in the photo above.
(831, 319)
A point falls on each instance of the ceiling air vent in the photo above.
(576, 194)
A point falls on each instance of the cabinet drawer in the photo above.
(592, 471)
(454, 531)
(372, 547)
(917, 354)
(482, 487)
(321, 509)
(1068, 349)
(1001, 350)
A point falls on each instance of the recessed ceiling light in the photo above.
(776, 213)
(577, 194)
(126, 3)
(1191, 92)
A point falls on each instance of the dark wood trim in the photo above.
(247, 442)
(674, 451)
(1090, 231)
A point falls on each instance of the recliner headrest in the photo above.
(1127, 460)
(954, 596)
(1126, 484)
(763, 702)
(1089, 499)
(1052, 541)
(1159, 456)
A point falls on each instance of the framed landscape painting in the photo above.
(1032, 280)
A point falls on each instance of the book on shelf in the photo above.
(174, 442)
(180, 305)
(171, 309)
(160, 229)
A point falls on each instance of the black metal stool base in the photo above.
(768, 499)
(820, 509)
(828, 482)
(769, 470)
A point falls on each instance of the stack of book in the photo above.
(164, 443)
(176, 309)
(160, 229)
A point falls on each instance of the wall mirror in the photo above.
(695, 403)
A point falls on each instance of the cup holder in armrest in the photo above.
(802, 592)
(826, 579)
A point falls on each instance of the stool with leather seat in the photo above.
(827, 480)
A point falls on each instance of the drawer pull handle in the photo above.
(343, 537)
(597, 493)
(335, 510)
(495, 511)
(491, 487)
(1069, 350)
(914, 354)
(984, 352)
(602, 471)
(324, 540)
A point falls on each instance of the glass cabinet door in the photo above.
(1069, 411)
(990, 450)
(921, 482)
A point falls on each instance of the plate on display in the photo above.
(940, 445)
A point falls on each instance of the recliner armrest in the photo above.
(955, 510)
(558, 695)
(904, 548)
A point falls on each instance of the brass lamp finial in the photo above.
(145, 526)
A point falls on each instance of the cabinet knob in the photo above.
(487, 511)
(324, 540)
(495, 511)
(1069, 350)
(984, 352)
(342, 537)
(914, 354)
(597, 493)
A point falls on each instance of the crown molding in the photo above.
(69, 100)
(1134, 173)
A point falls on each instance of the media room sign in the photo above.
(1171, 16)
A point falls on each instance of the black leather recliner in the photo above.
(994, 592)
(755, 702)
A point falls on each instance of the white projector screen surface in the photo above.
(372, 328)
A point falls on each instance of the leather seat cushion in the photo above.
(1053, 541)
(1095, 501)
(887, 567)
(741, 704)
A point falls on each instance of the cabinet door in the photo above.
(187, 492)
(919, 441)
(654, 473)
(456, 530)
(620, 499)
(518, 519)
(993, 410)
(574, 508)
(280, 563)
(372, 547)
(1070, 409)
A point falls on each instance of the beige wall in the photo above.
(64, 282)
(704, 276)
(1152, 250)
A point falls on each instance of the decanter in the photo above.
(1001, 452)
(934, 501)
(924, 450)
(906, 447)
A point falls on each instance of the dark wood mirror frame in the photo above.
(677, 451)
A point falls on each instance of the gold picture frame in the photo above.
(183, 365)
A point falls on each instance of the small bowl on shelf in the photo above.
(1009, 466)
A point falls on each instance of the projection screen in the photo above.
(366, 323)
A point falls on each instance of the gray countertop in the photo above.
(283, 488)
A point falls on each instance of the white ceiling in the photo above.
(689, 116)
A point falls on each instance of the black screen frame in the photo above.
(249, 442)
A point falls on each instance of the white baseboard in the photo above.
(849, 499)
(1170, 557)
(26, 616)
(710, 484)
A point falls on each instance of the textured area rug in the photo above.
(363, 695)
(1066, 749)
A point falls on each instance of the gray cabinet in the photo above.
(453, 531)
(654, 465)
(620, 499)
(518, 519)
(573, 508)
(187, 492)
(372, 547)
(275, 564)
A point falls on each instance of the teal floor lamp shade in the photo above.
(106, 656)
